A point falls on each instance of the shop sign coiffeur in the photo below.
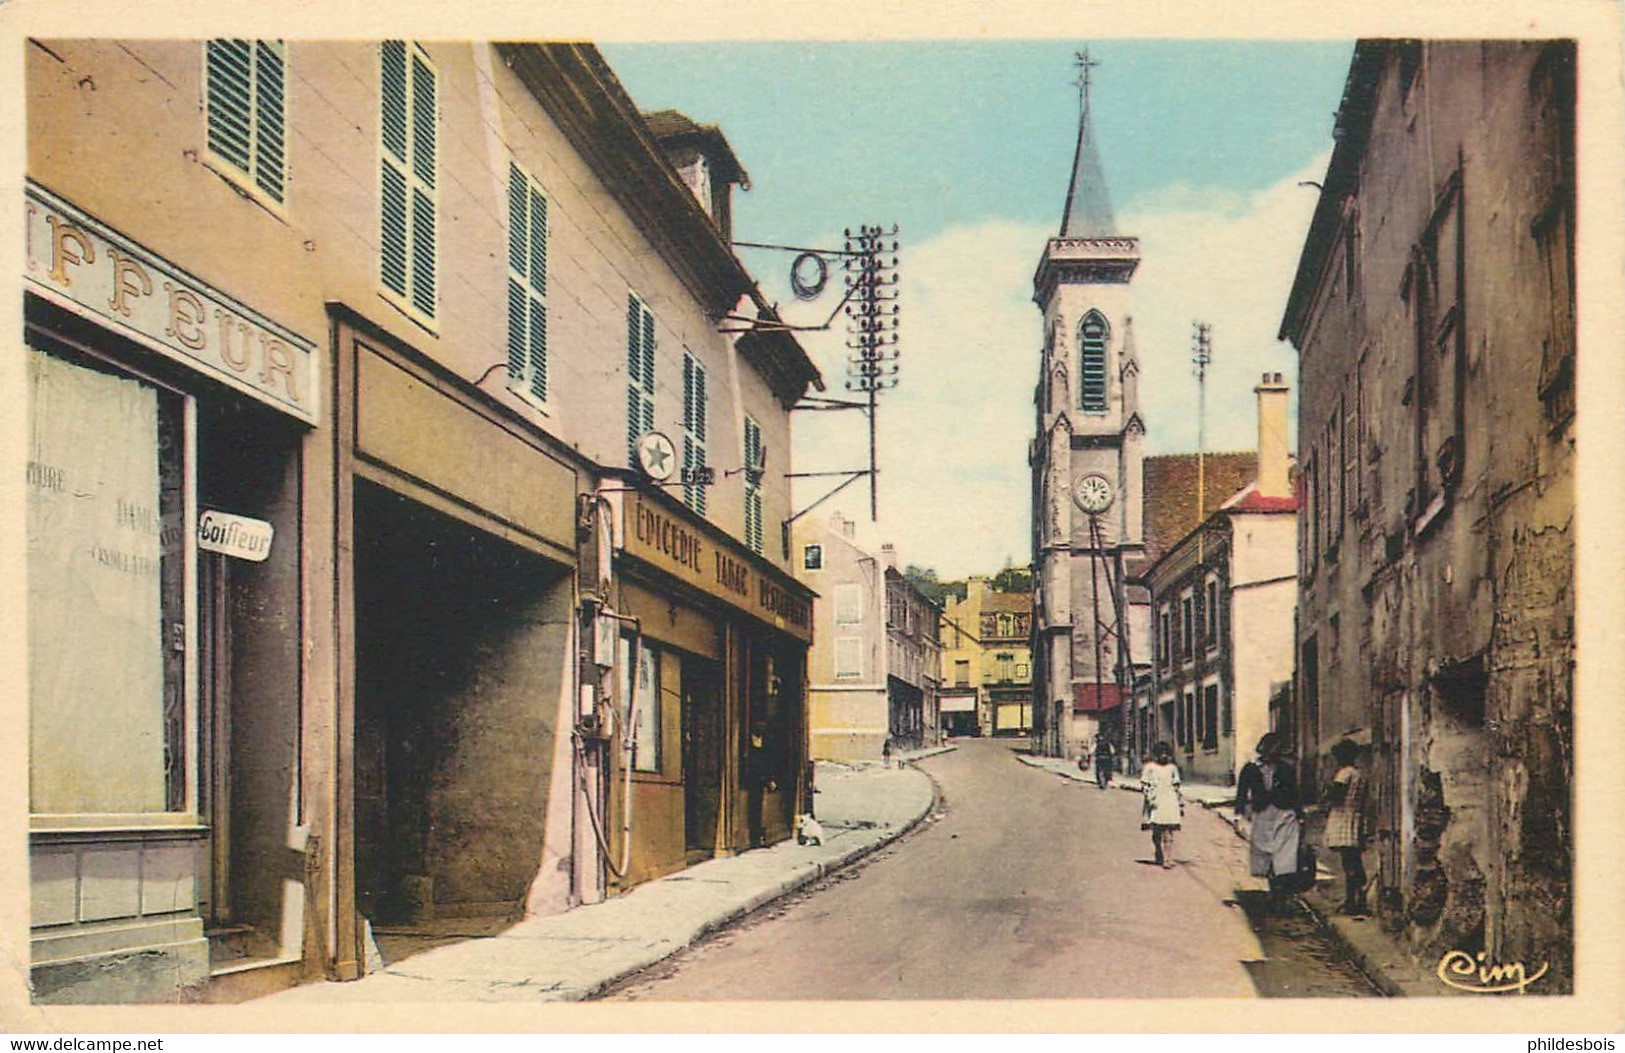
(85, 266)
(237, 536)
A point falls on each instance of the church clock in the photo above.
(1093, 493)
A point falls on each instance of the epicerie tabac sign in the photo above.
(77, 262)
(715, 567)
(231, 535)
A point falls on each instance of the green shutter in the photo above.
(393, 67)
(423, 251)
(392, 222)
(538, 242)
(423, 122)
(518, 222)
(516, 331)
(229, 100)
(538, 349)
(269, 118)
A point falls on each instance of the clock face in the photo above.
(1093, 493)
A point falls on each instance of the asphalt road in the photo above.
(1023, 885)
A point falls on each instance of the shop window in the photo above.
(408, 197)
(812, 557)
(694, 428)
(848, 657)
(1092, 336)
(753, 485)
(640, 372)
(527, 287)
(108, 492)
(848, 604)
(641, 704)
(245, 112)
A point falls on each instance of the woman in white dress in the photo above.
(1164, 807)
(1267, 793)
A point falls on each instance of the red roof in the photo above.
(1092, 698)
(1253, 501)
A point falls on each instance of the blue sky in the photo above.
(968, 147)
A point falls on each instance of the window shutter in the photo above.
(423, 252)
(269, 118)
(408, 218)
(230, 93)
(244, 102)
(423, 122)
(538, 242)
(538, 350)
(393, 64)
(392, 235)
(517, 349)
(518, 219)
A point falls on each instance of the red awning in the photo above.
(1093, 698)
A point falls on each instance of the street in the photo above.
(1021, 885)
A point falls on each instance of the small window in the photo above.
(1023, 671)
(408, 198)
(527, 287)
(1210, 612)
(1210, 716)
(961, 672)
(641, 704)
(812, 557)
(245, 107)
(848, 604)
(848, 657)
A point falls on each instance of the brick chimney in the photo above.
(1272, 437)
(888, 555)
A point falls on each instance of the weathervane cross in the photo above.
(1084, 63)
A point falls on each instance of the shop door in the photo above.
(702, 757)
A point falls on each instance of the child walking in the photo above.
(1164, 807)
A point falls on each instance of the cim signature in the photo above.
(1467, 972)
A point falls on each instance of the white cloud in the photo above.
(953, 436)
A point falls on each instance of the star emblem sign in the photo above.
(656, 456)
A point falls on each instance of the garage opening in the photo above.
(462, 646)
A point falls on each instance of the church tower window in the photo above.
(1092, 371)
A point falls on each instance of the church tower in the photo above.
(1086, 459)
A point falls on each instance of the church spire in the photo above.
(1088, 210)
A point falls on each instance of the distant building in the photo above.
(876, 653)
(1222, 599)
(987, 661)
(1434, 316)
(913, 660)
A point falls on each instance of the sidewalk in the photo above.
(573, 956)
(1377, 955)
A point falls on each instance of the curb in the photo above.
(793, 883)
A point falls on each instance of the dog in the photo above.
(808, 832)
